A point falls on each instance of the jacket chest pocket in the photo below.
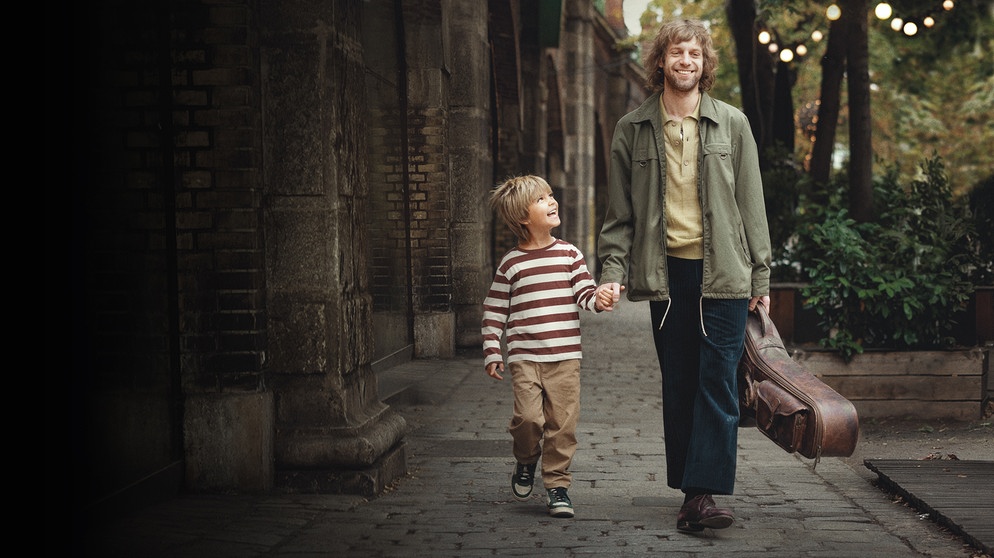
(722, 151)
(645, 171)
(644, 152)
(642, 158)
(718, 163)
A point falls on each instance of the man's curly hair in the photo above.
(674, 32)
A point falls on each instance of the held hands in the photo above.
(494, 369)
(608, 295)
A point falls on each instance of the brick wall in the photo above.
(215, 111)
(123, 359)
(429, 209)
(169, 292)
(387, 212)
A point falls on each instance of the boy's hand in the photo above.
(494, 369)
(608, 295)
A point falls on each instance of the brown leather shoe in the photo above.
(700, 512)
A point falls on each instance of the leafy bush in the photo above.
(898, 281)
(982, 210)
(784, 184)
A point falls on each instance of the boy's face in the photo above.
(543, 213)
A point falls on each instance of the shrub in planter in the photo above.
(784, 184)
(981, 201)
(896, 282)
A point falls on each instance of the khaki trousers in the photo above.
(546, 412)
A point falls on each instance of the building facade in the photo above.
(273, 201)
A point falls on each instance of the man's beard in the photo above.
(683, 85)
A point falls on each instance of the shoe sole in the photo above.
(519, 497)
(716, 522)
(689, 527)
(561, 512)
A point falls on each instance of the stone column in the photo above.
(472, 163)
(577, 75)
(332, 432)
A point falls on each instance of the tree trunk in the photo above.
(756, 76)
(860, 140)
(783, 108)
(833, 68)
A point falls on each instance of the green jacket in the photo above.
(632, 245)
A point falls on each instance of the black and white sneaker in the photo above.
(559, 503)
(522, 481)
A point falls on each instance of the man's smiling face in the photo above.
(683, 66)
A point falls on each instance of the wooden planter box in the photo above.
(952, 385)
(926, 384)
(799, 325)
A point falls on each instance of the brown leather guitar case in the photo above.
(796, 410)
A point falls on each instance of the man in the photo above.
(686, 230)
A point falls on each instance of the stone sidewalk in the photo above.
(455, 501)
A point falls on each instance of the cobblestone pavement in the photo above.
(456, 501)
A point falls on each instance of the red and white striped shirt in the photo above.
(535, 299)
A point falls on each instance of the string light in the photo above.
(883, 11)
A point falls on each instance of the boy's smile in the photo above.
(543, 214)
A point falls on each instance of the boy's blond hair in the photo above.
(512, 199)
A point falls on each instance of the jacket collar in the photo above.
(649, 109)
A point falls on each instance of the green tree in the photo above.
(936, 88)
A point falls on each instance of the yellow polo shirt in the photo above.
(684, 218)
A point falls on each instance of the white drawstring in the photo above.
(701, 309)
(666, 313)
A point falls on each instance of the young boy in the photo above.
(535, 298)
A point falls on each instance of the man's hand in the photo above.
(764, 300)
(494, 369)
(608, 295)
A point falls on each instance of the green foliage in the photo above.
(784, 184)
(898, 281)
(930, 91)
(982, 209)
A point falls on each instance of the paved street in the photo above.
(456, 499)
